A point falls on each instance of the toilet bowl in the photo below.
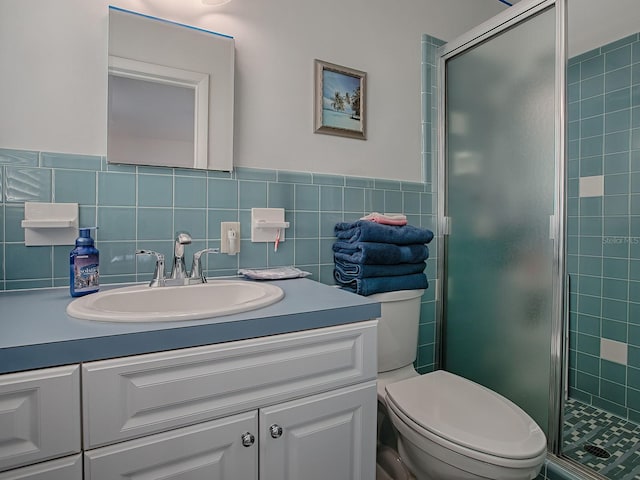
(448, 427)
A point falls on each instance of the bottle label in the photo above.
(86, 276)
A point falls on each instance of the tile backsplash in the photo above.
(143, 207)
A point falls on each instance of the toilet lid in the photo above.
(468, 414)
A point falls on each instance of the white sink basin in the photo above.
(141, 303)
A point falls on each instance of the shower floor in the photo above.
(588, 429)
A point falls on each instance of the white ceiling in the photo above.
(593, 23)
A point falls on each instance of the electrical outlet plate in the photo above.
(224, 238)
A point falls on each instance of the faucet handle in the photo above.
(158, 275)
(196, 266)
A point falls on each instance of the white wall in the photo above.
(53, 58)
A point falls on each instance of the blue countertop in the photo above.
(36, 332)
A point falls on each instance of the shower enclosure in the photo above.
(539, 247)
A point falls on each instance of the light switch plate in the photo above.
(224, 237)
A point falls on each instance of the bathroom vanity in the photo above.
(284, 392)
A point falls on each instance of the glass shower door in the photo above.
(500, 182)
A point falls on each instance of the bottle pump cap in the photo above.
(85, 240)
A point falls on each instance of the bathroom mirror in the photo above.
(170, 94)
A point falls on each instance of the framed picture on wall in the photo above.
(340, 100)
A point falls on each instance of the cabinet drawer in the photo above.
(39, 415)
(207, 451)
(67, 468)
(136, 396)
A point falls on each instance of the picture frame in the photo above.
(340, 100)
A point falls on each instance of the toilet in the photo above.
(448, 427)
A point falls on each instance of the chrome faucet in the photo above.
(197, 274)
(158, 279)
(179, 269)
(178, 274)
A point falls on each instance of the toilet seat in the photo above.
(467, 418)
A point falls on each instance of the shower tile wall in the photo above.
(604, 226)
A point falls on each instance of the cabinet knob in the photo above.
(275, 430)
(248, 439)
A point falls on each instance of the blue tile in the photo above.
(387, 184)
(615, 289)
(118, 258)
(617, 100)
(618, 79)
(27, 184)
(13, 216)
(588, 364)
(618, 121)
(307, 197)
(588, 285)
(616, 205)
(616, 184)
(307, 251)
(252, 194)
(116, 223)
(328, 221)
(591, 206)
(360, 182)
(116, 189)
(222, 193)
(331, 199)
(155, 223)
(616, 226)
(635, 117)
(411, 203)
(321, 179)
(591, 67)
(192, 220)
(614, 309)
(306, 225)
(243, 173)
(71, 161)
(592, 126)
(393, 202)
(354, 200)
(155, 190)
(18, 157)
(592, 87)
(591, 107)
(616, 142)
(591, 166)
(374, 201)
(280, 195)
(28, 263)
(589, 324)
(616, 163)
(618, 58)
(75, 186)
(616, 268)
(254, 255)
(294, 177)
(61, 262)
(190, 192)
(590, 226)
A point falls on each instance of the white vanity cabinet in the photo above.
(66, 468)
(39, 418)
(303, 404)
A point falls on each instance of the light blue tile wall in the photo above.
(427, 334)
(143, 207)
(604, 231)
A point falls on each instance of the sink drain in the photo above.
(597, 451)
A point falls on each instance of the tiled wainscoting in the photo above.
(143, 207)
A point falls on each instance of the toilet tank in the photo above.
(397, 328)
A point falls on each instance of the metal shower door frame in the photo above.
(508, 19)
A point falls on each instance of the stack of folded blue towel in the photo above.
(373, 258)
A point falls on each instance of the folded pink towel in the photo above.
(386, 219)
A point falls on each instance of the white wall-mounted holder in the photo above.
(267, 223)
(230, 237)
(50, 223)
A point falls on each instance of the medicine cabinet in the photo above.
(171, 89)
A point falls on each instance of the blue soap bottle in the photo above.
(84, 261)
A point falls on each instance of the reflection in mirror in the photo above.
(170, 94)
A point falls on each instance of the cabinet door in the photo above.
(207, 451)
(326, 436)
(68, 468)
(39, 415)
